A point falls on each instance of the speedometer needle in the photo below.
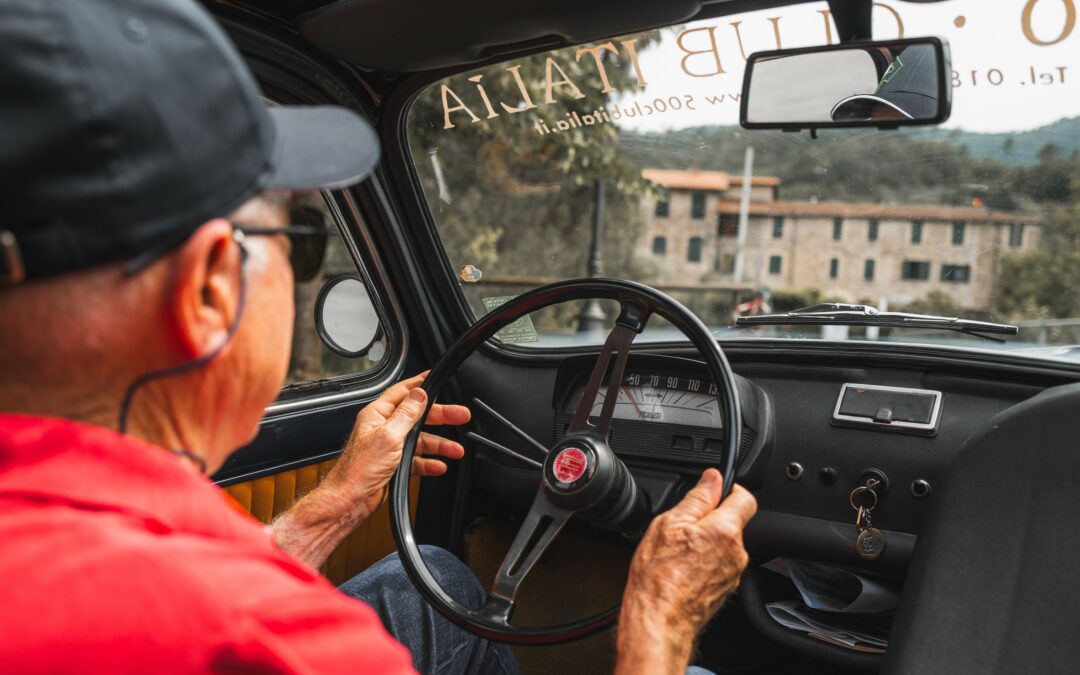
(633, 402)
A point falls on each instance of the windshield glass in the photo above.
(624, 158)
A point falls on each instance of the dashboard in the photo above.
(798, 455)
(667, 409)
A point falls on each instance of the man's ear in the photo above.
(205, 289)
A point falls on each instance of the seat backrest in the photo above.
(994, 585)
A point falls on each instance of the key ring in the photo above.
(862, 489)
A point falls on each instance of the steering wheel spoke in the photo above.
(542, 524)
(631, 321)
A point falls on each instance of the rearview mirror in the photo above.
(345, 317)
(861, 84)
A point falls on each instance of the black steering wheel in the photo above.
(580, 474)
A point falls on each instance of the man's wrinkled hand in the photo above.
(688, 562)
(373, 451)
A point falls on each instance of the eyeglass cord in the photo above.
(187, 367)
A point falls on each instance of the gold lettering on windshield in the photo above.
(1070, 23)
(528, 103)
(827, 17)
(712, 49)
(447, 124)
(483, 95)
(738, 37)
(775, 21)
(595, 51)
(631, 49)
(549, 95)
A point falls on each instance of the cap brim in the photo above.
(908, 105)
(320, 147)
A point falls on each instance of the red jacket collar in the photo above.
(60, 460)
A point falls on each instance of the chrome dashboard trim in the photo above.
(928, 429)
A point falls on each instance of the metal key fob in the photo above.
(870, 543)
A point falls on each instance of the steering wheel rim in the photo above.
(492, 620)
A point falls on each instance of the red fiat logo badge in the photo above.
(570, 464)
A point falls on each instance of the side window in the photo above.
(916, 232)
(693, 251)
(311, 359)
(958, 233)
(697, 205)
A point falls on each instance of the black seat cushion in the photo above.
(994, 585)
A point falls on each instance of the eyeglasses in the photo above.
(307, 244)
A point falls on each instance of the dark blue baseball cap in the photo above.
(126, 124)
(908, 88)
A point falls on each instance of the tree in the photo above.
(1043, 283)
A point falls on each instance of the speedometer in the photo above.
(665, 398)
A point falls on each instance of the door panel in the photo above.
(265, 498)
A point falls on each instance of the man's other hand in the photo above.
(373, 451)
(356, 486)
(688, 562)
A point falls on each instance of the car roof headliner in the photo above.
(402, 36)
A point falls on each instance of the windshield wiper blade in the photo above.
(842, 314)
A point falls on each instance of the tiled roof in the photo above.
(716, 181)
(879, 211)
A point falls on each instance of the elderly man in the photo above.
(146, 271)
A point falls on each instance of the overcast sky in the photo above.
(982, 34)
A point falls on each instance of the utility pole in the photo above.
(744, 213)
(593, 317)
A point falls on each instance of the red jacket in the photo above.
(116, 558)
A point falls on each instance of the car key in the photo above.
(870, 542)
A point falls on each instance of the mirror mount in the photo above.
(852, 19)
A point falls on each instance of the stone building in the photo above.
(857, 252)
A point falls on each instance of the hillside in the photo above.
(914, 165)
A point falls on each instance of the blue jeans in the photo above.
(437, 646)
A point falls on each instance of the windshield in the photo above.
(624, 158)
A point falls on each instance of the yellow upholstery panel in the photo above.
(266, 497)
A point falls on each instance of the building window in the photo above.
(1016, 235)
(662, 209)
(837, 228)
(659, 245)
(725, 263)
(868, 270)
(777, 227)
(727, 225)
(915, 270)
(693, 252)
(957, 233)
(697, 205)
(775, 264)
(960, 274)
(871, 230)
(834, 268)
(916, 232)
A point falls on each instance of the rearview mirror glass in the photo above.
(345, 317)
(865, 84)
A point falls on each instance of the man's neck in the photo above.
(148, 421)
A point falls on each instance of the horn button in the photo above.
(584, 474)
